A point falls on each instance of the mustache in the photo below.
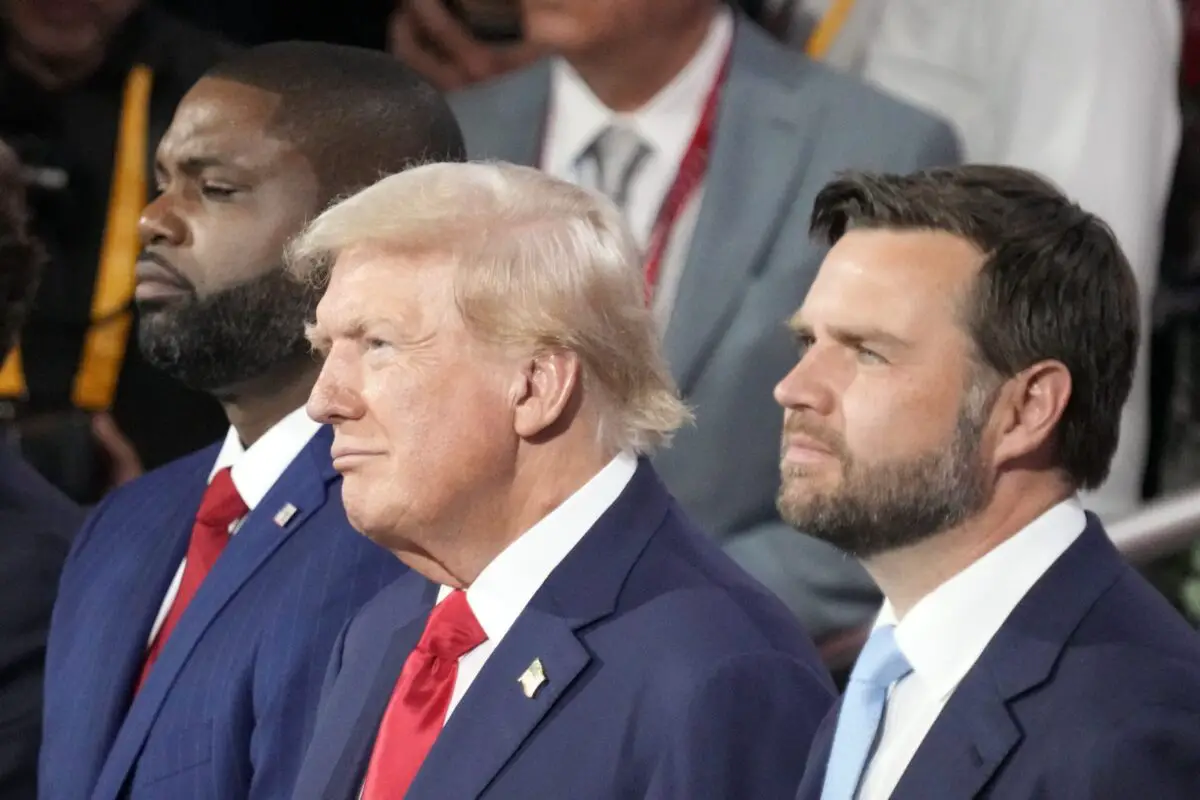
(796, 425)
(151, 257)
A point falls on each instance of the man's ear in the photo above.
(1030, 408)
(551, 379)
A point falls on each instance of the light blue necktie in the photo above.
(879, 666)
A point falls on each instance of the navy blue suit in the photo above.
(670, 673)
(36, 526)
(227, 710)
(1090, 689)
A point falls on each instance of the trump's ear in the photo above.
(551, 380)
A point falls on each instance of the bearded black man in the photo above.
(145, 698)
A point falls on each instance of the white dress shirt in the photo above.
(254, 471)
(1083, 91)
(945, 633)
(509, 582)
(666, 123)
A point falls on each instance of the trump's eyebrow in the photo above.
(359, 327)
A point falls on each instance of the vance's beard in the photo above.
(888, 505)
(230, 337)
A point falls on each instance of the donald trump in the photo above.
(494, 380)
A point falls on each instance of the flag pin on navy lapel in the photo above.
(284, 515)
(532, 678)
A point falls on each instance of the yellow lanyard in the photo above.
(827, 29)
(111, 315)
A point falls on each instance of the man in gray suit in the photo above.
(714, 140)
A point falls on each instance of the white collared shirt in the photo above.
(945, 633)
(254, 471)
(509, 582)
(666, 123)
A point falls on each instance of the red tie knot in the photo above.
(452, 630)
(222, 505)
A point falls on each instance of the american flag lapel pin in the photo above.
(284, 515)
(532, 678)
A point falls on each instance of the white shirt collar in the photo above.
(509, 582)
(945, 633)
(255, 470)
(666, 122)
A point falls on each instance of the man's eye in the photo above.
(217, 192)
(869, 356)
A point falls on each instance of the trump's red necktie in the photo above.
(219, 509)
(417, 710)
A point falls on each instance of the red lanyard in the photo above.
(692, 170)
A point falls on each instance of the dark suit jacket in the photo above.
(1091, 689)
(227, 710)
(36, 526)
(670, 674)
(785, 126)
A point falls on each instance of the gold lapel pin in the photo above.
(532, 678)
(284, 515)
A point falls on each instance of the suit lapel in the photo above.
(974, 733)
(303, 485)
(162, 532)
(360, 694)
(762, 143)
(818, 756)
(980, 724)
(497, 696)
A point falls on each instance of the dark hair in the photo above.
(1054, 284)
(21, 256)
(356, 114)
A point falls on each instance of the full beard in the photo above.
(217, 342)
(890, 505)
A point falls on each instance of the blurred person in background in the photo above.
(362, 23)
(200, 602)
(495, 382)
(456, 43)
(963, 358)
(87, 87)
(36, 524)
(709, 136)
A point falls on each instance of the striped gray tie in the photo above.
(619, 153)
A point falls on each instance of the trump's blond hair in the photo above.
(539, 264)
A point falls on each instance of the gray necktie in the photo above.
(619, 153)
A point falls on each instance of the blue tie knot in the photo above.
(881, 663)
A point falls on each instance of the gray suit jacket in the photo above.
(784, 128)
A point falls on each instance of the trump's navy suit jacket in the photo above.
(227, 710)
(1090, 689)
(669, 672)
